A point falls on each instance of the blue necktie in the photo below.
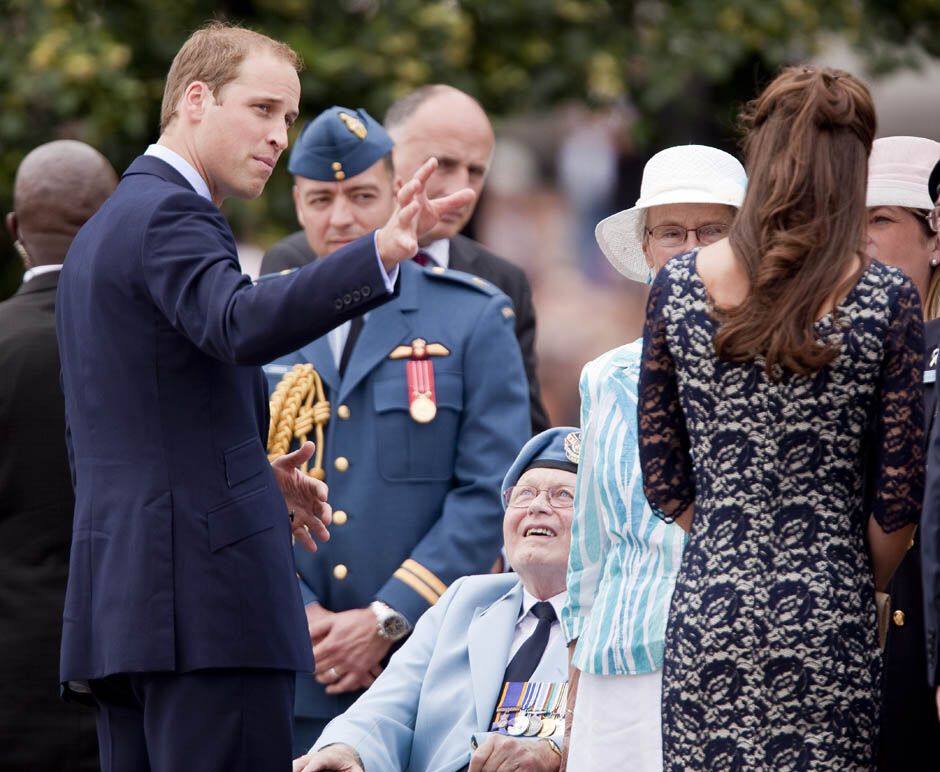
(523, 664)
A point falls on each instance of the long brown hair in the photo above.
(807, 142)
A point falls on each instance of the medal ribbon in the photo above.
(420, 379)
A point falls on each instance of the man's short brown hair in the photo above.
(213, 54)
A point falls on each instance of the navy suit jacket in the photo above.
(181, 553)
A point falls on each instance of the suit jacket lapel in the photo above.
(488, 642)
(460, 258)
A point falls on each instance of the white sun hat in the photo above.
(898, 170)
(686, 174)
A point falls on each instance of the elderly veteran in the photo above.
(491, 642)
(439, 371)
(624, 561)
(899, 234)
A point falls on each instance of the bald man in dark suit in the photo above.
(58, 186)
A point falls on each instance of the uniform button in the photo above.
(347, 298)
(356, 295)
(366, 291)
(338, 304)
(343, 412)
(341, 463)
(340, 517)
(340, 571)
(898, 617)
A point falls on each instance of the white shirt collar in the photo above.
(439, 251)
(183, 166)
(529, 600)
(32, 273)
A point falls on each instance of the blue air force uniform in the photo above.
(416, 505)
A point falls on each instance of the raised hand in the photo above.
(415, 215)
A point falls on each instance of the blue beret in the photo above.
(557, 448)
(339, 143)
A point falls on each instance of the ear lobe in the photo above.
(13, 226)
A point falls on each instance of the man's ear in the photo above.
(196, 98)
(13, 226)
(295, 192)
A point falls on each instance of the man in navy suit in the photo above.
(183, 620)
(416, 469)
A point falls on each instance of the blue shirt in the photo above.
(624, 560)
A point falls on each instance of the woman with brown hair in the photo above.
(766, 358)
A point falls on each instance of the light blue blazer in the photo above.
(440, 689)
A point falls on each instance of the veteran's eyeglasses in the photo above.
(675, 235)
(559, 497)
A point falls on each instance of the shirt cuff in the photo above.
(389, 277)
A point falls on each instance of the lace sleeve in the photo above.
(899, 435)
(664, 442)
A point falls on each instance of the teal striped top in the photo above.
(624, 560)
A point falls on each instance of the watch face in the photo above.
(394, 627)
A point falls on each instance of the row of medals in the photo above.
(535, 716)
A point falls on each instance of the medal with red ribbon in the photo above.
(422, 399)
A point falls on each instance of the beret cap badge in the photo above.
(573, 447)
(354, 125)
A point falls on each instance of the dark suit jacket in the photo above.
(181, 553)
(910, 732)
(37, 730)
(465, 255)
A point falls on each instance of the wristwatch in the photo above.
(392, 626)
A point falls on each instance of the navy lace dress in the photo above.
(772, 661)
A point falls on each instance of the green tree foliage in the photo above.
(94, 70)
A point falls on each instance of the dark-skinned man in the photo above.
(58, 186)
(446, 123)
(427, 399)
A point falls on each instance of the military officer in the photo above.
(413, 408)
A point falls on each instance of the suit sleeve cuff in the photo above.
(412, 590)
(389, 277)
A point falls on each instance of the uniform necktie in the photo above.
(424, 259)
(355, 327)
(523, 664)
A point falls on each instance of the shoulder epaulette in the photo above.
(460, 277)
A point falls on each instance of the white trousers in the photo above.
(617, 723)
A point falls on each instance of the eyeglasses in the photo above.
(675, 235)
(933, 219)
(559, 497)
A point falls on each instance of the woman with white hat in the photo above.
(900, 235)
(624, 560)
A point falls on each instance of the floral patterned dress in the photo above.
(772, 661)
